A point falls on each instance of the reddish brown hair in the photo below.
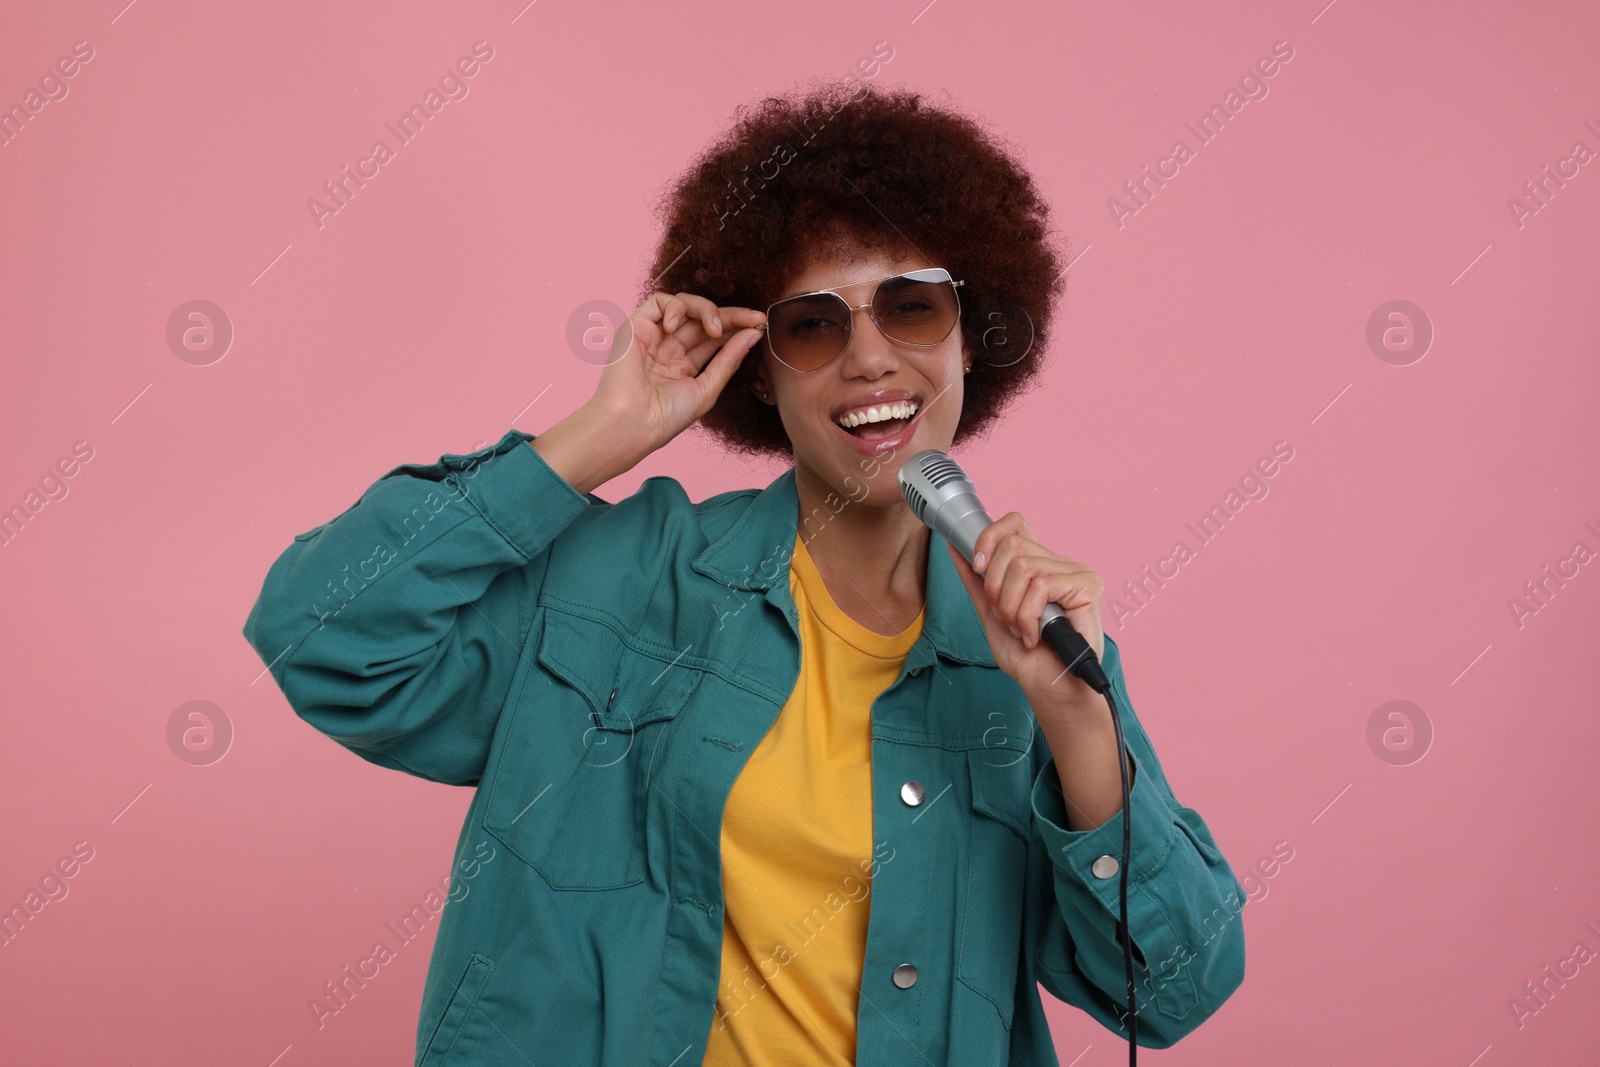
(798, 172)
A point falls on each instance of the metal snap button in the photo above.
(1104, 867)
(912, 793)
(905, 976)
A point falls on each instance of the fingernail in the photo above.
(1015, 632)
(716, 320)
(979, 559)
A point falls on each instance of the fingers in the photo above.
(988, 541)
(1002, 570)
(982, 601)
(672, 324)
(1023, 576)
(659, 305)
(743, 316)
(719, 371)
(685, 323)
(693, 332)
(676, 310)
(1020, 574)
(1025, 583)
(699, 348)
(1042, 589)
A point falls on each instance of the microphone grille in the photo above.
(918, 505)
(924, 475)
(941, 470)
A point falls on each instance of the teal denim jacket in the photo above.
(601, 672)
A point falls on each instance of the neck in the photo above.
(881, 550)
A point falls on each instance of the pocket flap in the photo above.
(1000, 787)
(624, 688)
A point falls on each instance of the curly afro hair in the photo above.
(799, 173)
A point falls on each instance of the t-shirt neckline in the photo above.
(859, 637)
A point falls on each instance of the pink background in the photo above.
(1229, 313)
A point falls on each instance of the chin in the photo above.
(876, 484)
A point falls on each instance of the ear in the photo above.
(759, 382)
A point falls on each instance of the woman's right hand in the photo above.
(682, 352)
(666, 370)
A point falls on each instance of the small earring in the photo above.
(968, 370)
(765, 395)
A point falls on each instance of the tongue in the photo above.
(874, 430)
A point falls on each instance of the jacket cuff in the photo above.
(512, 487)
(1078, 853)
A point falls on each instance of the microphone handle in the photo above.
(1073, 651)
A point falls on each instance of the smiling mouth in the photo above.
(879, 421)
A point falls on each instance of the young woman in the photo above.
(774, 777)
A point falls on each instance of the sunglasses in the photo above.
(807, 332)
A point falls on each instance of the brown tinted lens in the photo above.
(916, 312)
(807, 331)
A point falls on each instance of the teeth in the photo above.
(902, 409)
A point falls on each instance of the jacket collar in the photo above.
(755, 551)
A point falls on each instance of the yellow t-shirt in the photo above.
(797, 848)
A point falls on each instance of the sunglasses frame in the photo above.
(850, 319)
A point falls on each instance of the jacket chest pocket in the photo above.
(996, 880)
(569, 785)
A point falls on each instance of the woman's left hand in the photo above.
(1014, 578)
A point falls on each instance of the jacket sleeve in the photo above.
(397, 627)
(1184, 902)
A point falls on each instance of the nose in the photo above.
(870, 353)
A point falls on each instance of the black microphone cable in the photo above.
(1070, 647)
